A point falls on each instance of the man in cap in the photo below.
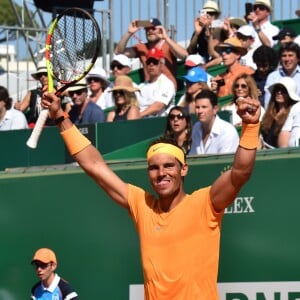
(31, 103)
(120, 65)
(158, 92)
(50, 286)
(179, 232)
(97, 83)
(264, 29)
(199, 42)
(157, 37)
(287, 35)
(83, 111)
(246, 35)
(195, 81)
(231, 51)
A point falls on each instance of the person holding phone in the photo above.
(264, 29)
(157, 37)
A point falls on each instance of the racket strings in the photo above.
(73, 44)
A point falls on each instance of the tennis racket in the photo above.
(72, 47)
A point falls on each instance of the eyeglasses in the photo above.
(178, 116)
(225, 50)
(79, 92)
(41, 265)
(243, 86)
(118, 93)
(260, 7)
(95, 79)
(118, 66)
(152, 61)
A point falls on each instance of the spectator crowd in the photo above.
(257, 60)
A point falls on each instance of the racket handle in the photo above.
(37, 130)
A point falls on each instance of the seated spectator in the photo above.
(266, 60)
(83, 110)
(295, 131)
(126, 104)
(195, 82)
(264, 29)
(243, 86)
(179, 128)
(211, 134)
(231, 51)
(287, 35)
(289, 58)
(97, 83)
(120, 65)
(283, 97)
(195, 60)
(246, 35)
(202, 24)
(10, 118)
(158, 93)
(31, 103)
(157, 37)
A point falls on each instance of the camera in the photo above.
(220, 82)
(248, 8)
(143, 23)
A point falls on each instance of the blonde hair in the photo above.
(251, 84)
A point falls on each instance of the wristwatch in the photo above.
(257, 29)
(61, 118)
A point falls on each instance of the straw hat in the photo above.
(41, 68)
(233, 43)
(124, 82)
(289, 84)
(266, 3)
(211, 6)
(80, 85)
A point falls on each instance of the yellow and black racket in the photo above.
(72, 48)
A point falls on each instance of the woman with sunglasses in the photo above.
(283, 97)
(179, 128)
(243, 87)
(126, 104)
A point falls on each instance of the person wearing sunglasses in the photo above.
(126, 103)
(97, 83)
(243, 87)
(51, 285)
(119, 66)
(157, 93)
(84, 111)
(157, 37)
(195, 81)
(179, 128)
(264, 29)
(211, 134)
(283, 105)
(231, 51)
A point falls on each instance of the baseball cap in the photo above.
(44, 255)
(247, 31)
(194, 60)
(196, 74)
(155, 53)
(155, 22)
(122, 59)
(285, 32)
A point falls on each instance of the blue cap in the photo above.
(196, 74)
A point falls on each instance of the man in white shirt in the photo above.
(264, 29)
(158, 93)
(10, 118)
(211, 134)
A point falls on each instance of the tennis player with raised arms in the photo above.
(179, 232)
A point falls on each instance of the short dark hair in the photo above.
(213, 98)
(292, 47)
(4, 96)
(266, 56)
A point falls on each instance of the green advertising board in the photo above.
(96, 242)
